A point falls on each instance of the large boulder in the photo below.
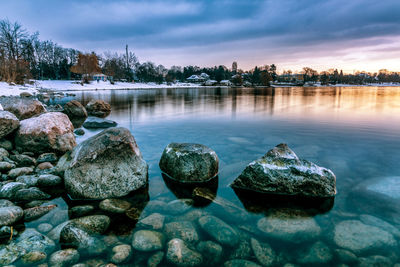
(280, 171)
(98, 108)
(48, 132)
(8, 123)
(186, 162)
(106, 165)
(75, 110)
(23, 108)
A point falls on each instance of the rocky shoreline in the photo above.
(106, 180)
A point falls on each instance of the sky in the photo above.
(322, 34)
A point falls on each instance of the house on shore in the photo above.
(101, 77)
(198, 78)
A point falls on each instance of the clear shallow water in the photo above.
(352, 131)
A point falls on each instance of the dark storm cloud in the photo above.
(186, 24)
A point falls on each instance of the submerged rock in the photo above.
(146, 240)
(184, 230)
(219, 230)
(359, 237)
(155, 259)
(121, 253)
(114, 205)
(23, 108)
(106, 165)
(289, 225)
(93, 224)
(75, 237)
(154, 221)
(37, 212)
(211, 251)
(10, 189)
(98, 108)
(240, 263)
(10, 215)
(179, 254)
(186, 162)
(280, 171)
(48, 132)
(319, 253)
(8, 123)
(96, 123)
(32, 240)
(263, 252)
(14, 173)
(29, 194)
(65, 257)
(33, 258)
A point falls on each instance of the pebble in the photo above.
(179, 254)
(79, 211)
(29, 194)
(65, 257)
(155, 259)
(33, 257)
(10, 215)
(37, 212)
(146, 240)
(263, 252)
(44, 166)
(184, 230)
(121, 253)
(154, 221)
(44, 228)
(48, 180)
(47, 157)
(211, 251)
(14, 173)
(219, 230)
(114, 205)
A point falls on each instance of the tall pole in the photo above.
(127, 62)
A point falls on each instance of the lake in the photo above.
(354, 131)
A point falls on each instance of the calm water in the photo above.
(352, 131)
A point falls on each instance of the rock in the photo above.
(44, 228)
(179, 254)
(114, 205)
(32, 240)
(98, 108)
(240, 263)
(29, 194)
(155, 259)
(44, 166)
(211, 251)
(359, 237)
(25, 94)
(280, 171)
(219, 230)
(79, 131)
(184, 230)
(154, 221)
(186, 162)
(79, 211)
(146, 240)
(346, 256)
(74, 110)
(23, 160)
(28, 180)
(47, 157)
(49, 180)
(64, 258)
(381, 224)
(6, 144)
(6, 203)
(95, 123)
(48, 132)
(319, 253)
(54, 234)
(14, 173)
(179, 206)
(121, 253)
(289, 225)
(10, 215)
(375, 260)
(4, 154)
(93, 224)
(243, 251)
(23, 108)
(263, 252)
(6, 231)
(8, 123)
(32, 214)
(6, 166)
(106, 165)
(72, 236)
(10, 253)
(10, 189)
(33, 258)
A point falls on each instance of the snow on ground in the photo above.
(15, 90)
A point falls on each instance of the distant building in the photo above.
(292, 78)
(225, 82)
(100, 77)
(198, 78)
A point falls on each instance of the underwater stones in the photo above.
(64, 258)
(280, 171)
(93, 224)
(184, 230)
(96, 123)
(154, 221)
(49, 132)
(10, 215)
(346, 256)
(240, 263)
(44, 227)
(263, 252)
(32, 240)
(121, 253)
(219, 230)
(381, 224)
(29, 180)
(8, 123)
(48, 180)
(23, 160)
(319, 253)
(146, 240)
(211, 251)
(29, 194)
(114, 205)
(33, 258)
(179, 254)
(289, 225)
(79, 211)
(179, 206)
(188, 163)
(37, 212)
(75, 109)
(75, 237)
(14, 173)
(10, 189)
(106, 165)
(359, 237)
(6, 166)
(155, 259)
(98, 108)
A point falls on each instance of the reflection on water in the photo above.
(353, 131)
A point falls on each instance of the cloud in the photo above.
(198, 29)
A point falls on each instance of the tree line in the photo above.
(24, 56)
